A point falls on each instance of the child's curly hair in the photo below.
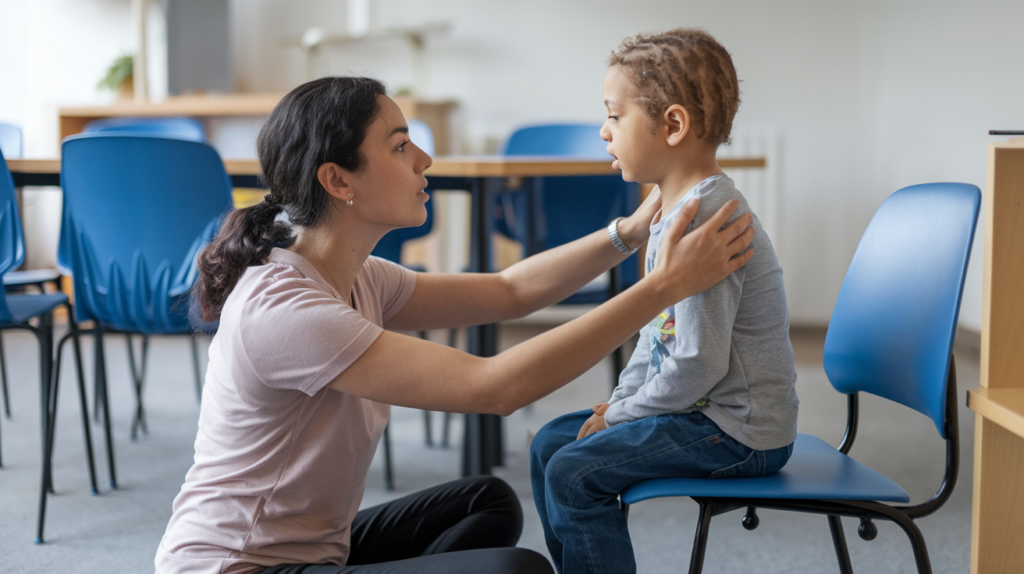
(685, 66)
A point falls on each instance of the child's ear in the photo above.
(677, 122)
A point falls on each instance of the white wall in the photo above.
(869, 96)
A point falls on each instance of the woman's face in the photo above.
(388, 189)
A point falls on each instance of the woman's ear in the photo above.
(335, 180)
(677, 122)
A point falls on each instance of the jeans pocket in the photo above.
(753, 465)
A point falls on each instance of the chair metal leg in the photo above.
(445, 428)
(700, 539)
(45, 478)
(624, 508)
(389, 477)
(46, 369)
(3, 379)
(427, 430)
(83, 403)
(138, 376)
(835, 525)
(104, 404)
(195, 368)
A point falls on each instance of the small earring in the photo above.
(348, 202)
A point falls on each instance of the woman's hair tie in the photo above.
(271, 201)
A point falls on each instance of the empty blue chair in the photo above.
(137, 211)
(10, 140)
(15, 313)
(569, 207)
(172, 127)
(891, 335)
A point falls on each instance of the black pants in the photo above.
(468, 525)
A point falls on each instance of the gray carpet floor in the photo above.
(118, 530)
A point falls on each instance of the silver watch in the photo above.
(613, 234)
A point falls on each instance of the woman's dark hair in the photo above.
(318, 122)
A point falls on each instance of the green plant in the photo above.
(118, 72)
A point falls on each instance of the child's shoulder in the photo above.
(713, 193)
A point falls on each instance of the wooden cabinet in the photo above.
(997, 529)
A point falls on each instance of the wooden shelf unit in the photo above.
(997, 512)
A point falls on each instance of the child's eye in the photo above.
(613, 118)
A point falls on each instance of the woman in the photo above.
(302, 371)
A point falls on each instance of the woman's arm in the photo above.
(443, 300)
(406, 371)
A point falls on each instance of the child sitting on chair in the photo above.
(709, 391)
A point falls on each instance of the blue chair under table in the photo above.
(567, 208)
(15, 313)
(183, 128)
(137, 211)
(178, 127)
(891, 335)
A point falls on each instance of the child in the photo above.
(709, 391)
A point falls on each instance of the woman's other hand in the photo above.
(690, 263)
(636, 229)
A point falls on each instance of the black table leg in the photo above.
(483, 446)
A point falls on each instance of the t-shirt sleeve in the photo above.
(393, 283)
(297, 336)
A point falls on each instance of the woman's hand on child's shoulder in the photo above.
(692, 263)
(595, 423)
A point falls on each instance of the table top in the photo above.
(445, 166)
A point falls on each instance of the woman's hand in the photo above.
(595, 423)
(691, 263)
(636, 229)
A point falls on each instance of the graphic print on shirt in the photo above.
(664, 330)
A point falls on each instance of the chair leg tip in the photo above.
(95, 492)
(39, 541)
(113, 485)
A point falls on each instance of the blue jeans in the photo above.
(576, 483)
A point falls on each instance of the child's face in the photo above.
(628, 131)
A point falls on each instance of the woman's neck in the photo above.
(336, 251)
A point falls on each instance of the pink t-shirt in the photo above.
(281, 459)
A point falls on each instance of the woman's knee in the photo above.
(519, 561)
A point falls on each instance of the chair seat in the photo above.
(25, 307)
(816, 471)
(30, 277)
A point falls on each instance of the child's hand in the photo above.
(594, 423)
(636, 229)
(690, 263)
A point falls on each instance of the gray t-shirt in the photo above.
(724, 352)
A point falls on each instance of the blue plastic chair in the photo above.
(15, 313)
(390, 248)
(172, 127)
(137, 211)
(567, 208)
(10, 140)
(891, 335)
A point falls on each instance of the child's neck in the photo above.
(687, 171)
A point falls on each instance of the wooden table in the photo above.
(483, 444)
(997, 513)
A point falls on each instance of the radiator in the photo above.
(761, 186)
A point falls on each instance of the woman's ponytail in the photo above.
(245, 239)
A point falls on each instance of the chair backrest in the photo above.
(390, 246)
(137, 210)
(10, 140)
(172, 127)
(12, 240)
(572, 207)
(559, 140)
(892, 329)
